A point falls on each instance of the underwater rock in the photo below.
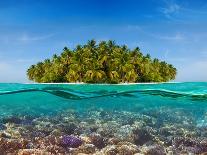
(32, 151)
(85, 139)
(122, 148)
(71, 141)
(45, 127)
(196, 150)
(27, 122)
(30, 145)
(108, 129)
(68, 128)
(155, 150)
(93, 128)
(2, 126)
(197, 147)
(182, 141)
(11, 133)
(51, 140)
(127, 118)
(97, 140)
(113, 141)
(148, 120)
(83, 128)
(141, 136)
(56, 132)
(11, 119)
(37, 134)
(110, 150)
(87, 149)
(126, 148)
(5, 134)
(165, 131)
(11, 145)
(128, 121)
(125, 133)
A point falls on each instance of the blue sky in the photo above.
(32, 30)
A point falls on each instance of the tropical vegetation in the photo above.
(105, 62)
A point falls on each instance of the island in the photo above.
(103, 62)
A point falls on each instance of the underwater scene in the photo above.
(148, 119)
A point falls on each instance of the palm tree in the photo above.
(72, 76)
(114, 77)
(39, 72)
(31, 72)
(66, 56)
(95, 76)
(105, 62)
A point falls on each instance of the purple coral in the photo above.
(71, 141)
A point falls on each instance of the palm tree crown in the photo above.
(105, 62)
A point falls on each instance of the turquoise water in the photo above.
(157, 106)
(46, 99)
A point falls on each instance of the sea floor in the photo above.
(150, 132)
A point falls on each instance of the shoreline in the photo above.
(82, 83)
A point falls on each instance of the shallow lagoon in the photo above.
(167, 118)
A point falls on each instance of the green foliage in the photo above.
(105, 62)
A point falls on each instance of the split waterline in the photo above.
(165, 112)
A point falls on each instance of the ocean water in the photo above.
(49, 99)
(164, 111)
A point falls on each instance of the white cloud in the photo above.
(26, 38)
(177, 60)
(23, 38)
(204, 12)
(166, 54)
(134, 27)
(26, 60)
(170, 8)
(181, 12)
(176, 37)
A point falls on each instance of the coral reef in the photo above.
(156, 131)
(71, 141)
